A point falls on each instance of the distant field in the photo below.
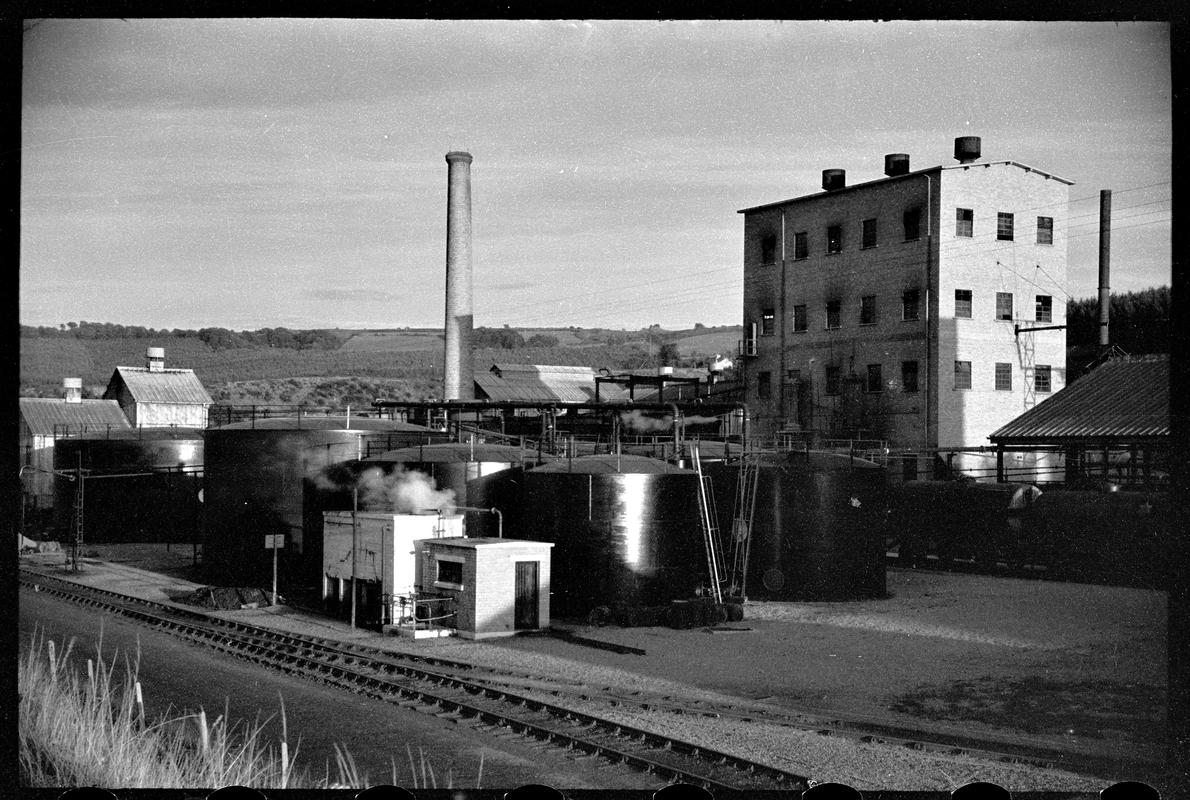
(719, 340)
(392, 341)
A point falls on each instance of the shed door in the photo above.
(525, 607)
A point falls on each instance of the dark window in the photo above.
(912, 224)
(450, 571)
(1045, 230)
(799, 318)
(834, 239)
(1045, 308)
(1004, 305)
(875, 378)
(867, 309)
(832, 315)
(962, 303)
(869, 233)
(909, 376)
(964, 222)
(910, 302)
(767, 317)
(1041, 379)
(801, 245)
(962, 374)
(768, 249)
(1003, 377)
(832, 379)
(1004, 227)
(764, 385)
(793, 375)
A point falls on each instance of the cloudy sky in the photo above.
(252, 173)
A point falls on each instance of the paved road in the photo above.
(177, 675)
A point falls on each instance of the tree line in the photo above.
(215, 338)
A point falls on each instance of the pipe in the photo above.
(458, 375)
(1104, 267)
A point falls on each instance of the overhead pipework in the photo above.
(458, 377)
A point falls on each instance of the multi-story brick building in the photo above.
(907, 309)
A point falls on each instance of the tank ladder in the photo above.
(741, 523)
(708, 518)
(77, 545)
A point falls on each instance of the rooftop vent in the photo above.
(966, 149)
(834, 179)
(155, 359)
(72, 390)
(896, 164)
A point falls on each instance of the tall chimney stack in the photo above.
(1104, 267)
(458, 380)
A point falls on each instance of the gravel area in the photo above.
(1085, 666)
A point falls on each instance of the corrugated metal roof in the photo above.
(44, 415)
(542, 383)
(162, 386)
(1123, 399)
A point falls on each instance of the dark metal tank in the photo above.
(126, 505)
(474, 471)
(818, 529)
(626, 530)
(257, 483)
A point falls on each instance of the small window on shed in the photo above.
(449, 571)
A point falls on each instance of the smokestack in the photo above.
(458, 378)
(72, 390)
(1104, 267)
(155, 359)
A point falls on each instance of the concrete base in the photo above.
(405, 632)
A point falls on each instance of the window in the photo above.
(1003, 377)
(834, 239)
(832, 315)
(801, 245)
(449, 572)
(832, 379)
(768, 249)
(764, 385)
(1004, 227)
(767, 318)
(875, 378)
(1041, 379)
(964, 222)
(793, 376)
(909, 376)
(962, 303)
(867, 310)
(1004, 305)
(869, 239)
(1045, 230)
(909, 304)
(912, 224)
(1045, 308)
(962, 374)
(799, 318)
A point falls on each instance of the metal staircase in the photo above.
(709, 516)
(741, 523)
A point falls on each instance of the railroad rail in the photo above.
(442, 694)
(357, 666)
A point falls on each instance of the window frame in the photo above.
(906, 372)
(1048, 227)
(764, 385)
(834, 241)
(768, 322)
(970, 301)
(913, 214)
(916, 293)
(999, 313)
(1003, 376)
(868, 233)
(832, 380)
(801, 246)
(878, 373)
(1048, 371)
(804, 325)
(836, 315)
(456, 562)
(958, 370)
(964, 219)
(867, 310)
(1005, 226)
(1043, 308)
(768, 249)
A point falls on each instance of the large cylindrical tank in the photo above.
(625, 528)
(142, 485)
(257, 475)
(817, 531)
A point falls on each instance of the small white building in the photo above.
(378, 551)
(501, 587)
(153, 396)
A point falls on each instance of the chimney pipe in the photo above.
(155, 359)
(967, 149)
(1104, 267)
(72, 390)
(834, 179)
(458, 378)
(896, 164)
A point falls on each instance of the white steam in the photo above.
(639, 422)
(404, 491)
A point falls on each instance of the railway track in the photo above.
(445, 694)
(461, 689)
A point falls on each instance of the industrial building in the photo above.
(919, 311)
(153, 396)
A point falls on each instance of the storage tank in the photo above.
(126, 505)
(818, 528)
(626, 530)
(257, 474)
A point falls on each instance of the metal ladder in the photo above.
(708, 517)
(741, 523)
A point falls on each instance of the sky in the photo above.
(263, 173)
